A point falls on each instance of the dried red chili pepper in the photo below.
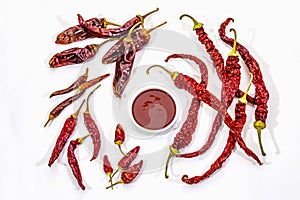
(140, 37)
(119, 137)
(113, 32)
(60, 107)
(78, 33)
(92, 127)
(129, 174)
(240, 120)
(64, 135)
(261, 92)
(184, 136)
(73, 162)
(91, 82)
(126, 160)
(189, 84)
(81, 79)
(107, 168)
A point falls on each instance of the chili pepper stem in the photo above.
(167, 164)
(233, 51)
(149, 13)
(115, 172)
(243, 99)
(116, 183)
(173, 75)
(75, 115)
(259, 125)
(196, 23)
(110, 181)
(157, 26)
(128, 37)
(80, 140)
(87, 110)
(120, 148)
(50, 118)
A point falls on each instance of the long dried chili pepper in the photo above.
(189, 84)
(73, 162)
(78, 33)
(240, 120)
(81, 79)
(141, 37)
(124, 64)
(261, 92)
(107, 168)
(184, 137)
(64, 135)
(92, 127)
(75, 55)
(119, 137)
(91, 82)
(113, 32)
(129, 174)
(60, 107)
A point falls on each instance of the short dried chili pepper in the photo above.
(113, 32)
(78, 33)
(75, 55)
(81, 79)
(129, 174)
(129, 157)
(92, 127)
(107, 168)
(124, 64)
(60, 107)
(141, 37)
(64, 135)
(240, 120)
(261, 92)
(91, 82)
(184, 137)
(119, 137)
(73, 162)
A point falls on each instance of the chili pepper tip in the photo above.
(196, 23)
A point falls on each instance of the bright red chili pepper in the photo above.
(64, 135)
(92, 127)
(129, 157)
(119, 137)
(73, 162)
(107, 168)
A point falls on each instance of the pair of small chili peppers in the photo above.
(128, 173)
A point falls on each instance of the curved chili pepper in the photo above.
(261, 92)
(92, 127)
(119, 137)
(73, 162)
(91, 82)
(125, 162)
(81, 79)
(184, 137)
(140, 37)
(60, 107)
(129, 174)
(107, 168)
(64, 135)
(113, 32)
(78, 33)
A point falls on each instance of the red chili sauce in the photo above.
(153, 109)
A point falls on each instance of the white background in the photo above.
(28, 30)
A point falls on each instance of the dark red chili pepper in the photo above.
(261, 92)
(125, 162)
(184, 136)
(92, 127)
(124, 64)
(107, 168)
(64, 135)
(78, 33)
(60, 107)
(129, 174)
(112, 32)
(91, 82)
(119, 137)
(81, 79)
(140, 37)
(73, 162)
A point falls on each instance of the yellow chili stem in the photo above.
(173, 75)
(196, 23)
(233, 51)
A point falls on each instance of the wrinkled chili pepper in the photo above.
(81, 79)
(240, 120)
(129, 157)
(107, 168)
(184, 137)
(189, 84)
(64, 135)
(78, 33)
(141, 37)
(73, 162)
(119, 137)
(60, 107)
(91, 82)
(261, 92)
(129, 174)
(92, 127)
(113, 32)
